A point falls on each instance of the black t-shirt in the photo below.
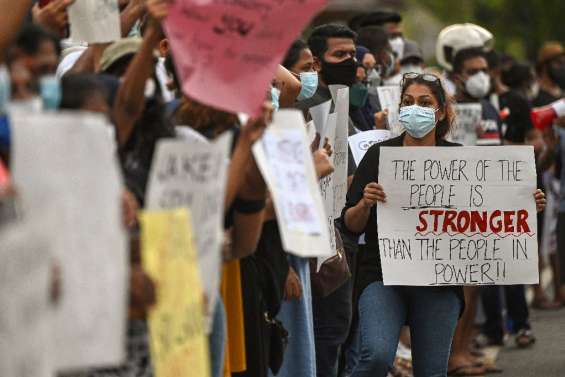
(544, 98)
(369, 267)
(518, 122)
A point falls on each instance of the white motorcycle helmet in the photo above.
(455, 38)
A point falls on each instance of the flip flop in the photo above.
(467, 370)
(525, 338)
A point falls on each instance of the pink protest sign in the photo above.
(227, 51)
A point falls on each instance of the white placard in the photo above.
(463, 216)
(65, 167)
(327, 188)
(25, 318)
(192, 173)
(362, 141)
(389, 98)
(467, 122)
(284, 158)
(95, 21)
(319, 116)
(340, 148)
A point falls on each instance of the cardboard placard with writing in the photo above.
(340, 147)
(468, 118)
(227, 52)
(192, 173)
(389, 97)
(362, 141)
(458, 216)
(283, 155)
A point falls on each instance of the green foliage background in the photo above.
(520, 26)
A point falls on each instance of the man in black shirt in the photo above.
(333, 47)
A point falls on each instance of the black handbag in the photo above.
(277, 343)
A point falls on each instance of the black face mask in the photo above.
(343, 73)
(557, 75)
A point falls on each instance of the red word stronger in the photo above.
(496, 221)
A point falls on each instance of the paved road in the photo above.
(547, 357)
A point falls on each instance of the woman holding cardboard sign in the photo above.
(431, 312)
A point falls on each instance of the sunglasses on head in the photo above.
(428, 77)
(424, 76)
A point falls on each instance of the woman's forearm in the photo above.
(356, 217)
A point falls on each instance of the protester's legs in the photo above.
(382, 312)
(432, 317)
(351, 352)
(493, 327)
(461, 357)
(332, 317)
(217, 339)
(517, 306)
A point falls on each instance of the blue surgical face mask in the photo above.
(418, 120)
(275, 95)
(50, 90)
(309, 81)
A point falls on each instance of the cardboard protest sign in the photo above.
(192, 174)
(319, 116)
(176, 324)
(389, 97)
(95, 21)
(327, 192)
(362, 141)
(65, 168)
(283, 155)
(25, 320)
(227, 52)
(467, 121)
(340, 95)
(463, 216)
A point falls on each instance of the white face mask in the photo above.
(478, 85)
(408, 68)
(397, 44)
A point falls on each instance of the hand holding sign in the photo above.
(539, 196)
(372, 194)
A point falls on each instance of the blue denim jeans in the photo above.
(217, 339)
(431, 313)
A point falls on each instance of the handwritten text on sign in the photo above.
(284, 158)
(192, 174)
(458, 216)
(467, 122)
(226, 52)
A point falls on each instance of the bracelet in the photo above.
(248, 206)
